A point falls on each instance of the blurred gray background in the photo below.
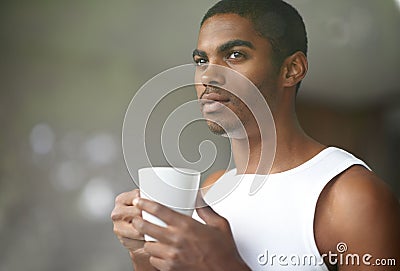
(70, 68)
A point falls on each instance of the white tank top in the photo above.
(274, 228)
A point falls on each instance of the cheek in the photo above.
(259, 71)
(266, 83)
(257, 77)
(238, 106)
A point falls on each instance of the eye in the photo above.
(235, 55)
(200, 61)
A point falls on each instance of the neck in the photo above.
(261, 155)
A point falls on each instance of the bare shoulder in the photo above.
(358, 187)
(211, 179)
(358, 208)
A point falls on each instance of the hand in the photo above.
(186, 244)
(122, 215)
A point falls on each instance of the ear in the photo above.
(294, 69)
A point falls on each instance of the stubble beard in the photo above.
(215, 128)
(227, 126)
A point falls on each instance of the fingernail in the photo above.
(135, 201)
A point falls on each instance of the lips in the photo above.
(214, 97)
(212, 102)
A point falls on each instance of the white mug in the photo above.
(175, 188)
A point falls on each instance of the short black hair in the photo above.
(274, 20)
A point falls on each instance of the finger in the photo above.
(211, 217)
(157, 249)
(132, 244)
(127, 197)
(155, 231)
(162, 212)
(141, 259)
(124, 229)
(123, 212)
(159, 264)
(200, 200)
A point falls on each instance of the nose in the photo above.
(213, 75)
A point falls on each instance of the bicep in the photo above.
(367, 220)
(374, 233)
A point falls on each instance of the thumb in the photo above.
(209, 216)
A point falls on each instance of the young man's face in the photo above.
(229, 40)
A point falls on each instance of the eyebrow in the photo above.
(233, 43)
(225, 47)
(197, 52)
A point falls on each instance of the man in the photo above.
(320, 209)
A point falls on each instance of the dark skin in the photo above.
(356, 207)
(185, 244)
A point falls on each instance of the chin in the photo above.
(229, 132)
(215, 128)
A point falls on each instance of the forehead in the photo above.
(221, 28)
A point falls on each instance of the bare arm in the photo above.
(359, 212)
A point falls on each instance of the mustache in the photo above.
(212, 89)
